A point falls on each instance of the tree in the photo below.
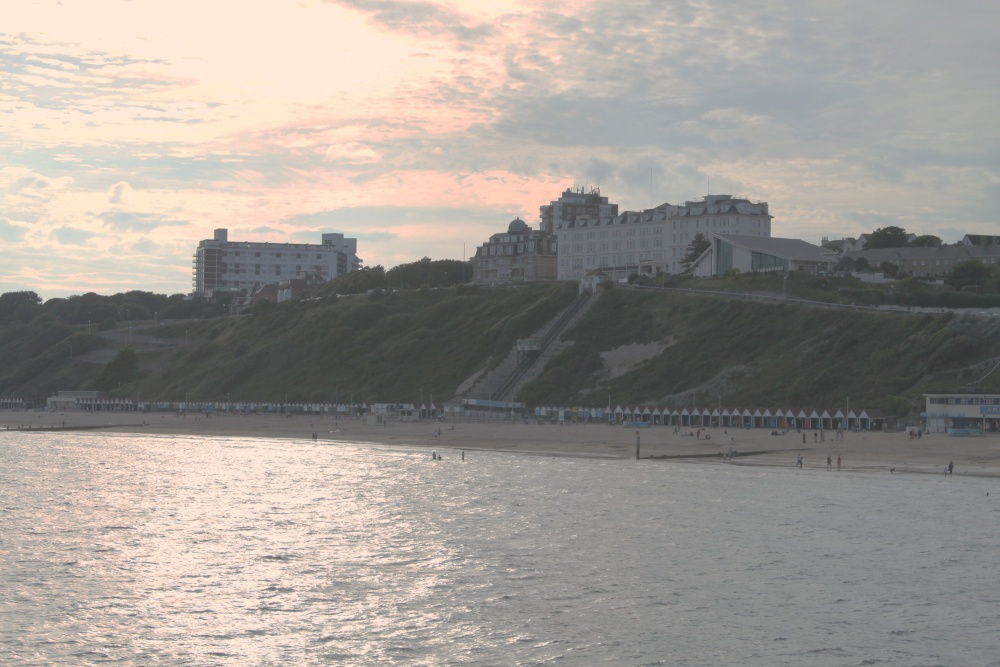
(698, 245)
(18, 306)
(124, 368)
(890, 269)
(441, 273)
(969, 272)
(897, 406)
(887, 237)
(359, 282)
(926, 241)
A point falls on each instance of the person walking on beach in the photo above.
(798, 461)
(951, 466)
(829, 463)
(838, 462)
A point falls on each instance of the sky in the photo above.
(131, 129)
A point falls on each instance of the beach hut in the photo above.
(839, 420)
(685, 417)
(716, 417)
(789, 419)
(767, 419)
(646, 415)
(757, 419)
(826, 421)
(814, 422)
(657, 416)
(852, 420)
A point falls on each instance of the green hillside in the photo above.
(764, 353)
(633, 346)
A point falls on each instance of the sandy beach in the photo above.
(869, 451)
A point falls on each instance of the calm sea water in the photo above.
(130, 550)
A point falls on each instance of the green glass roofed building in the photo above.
(732, 252)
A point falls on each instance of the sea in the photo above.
(175, 550)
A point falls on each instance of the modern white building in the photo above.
(734, 252)
(221, 265)
(961, 413)
(653, 240)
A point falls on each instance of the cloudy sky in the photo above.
(130, 129)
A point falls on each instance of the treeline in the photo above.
(424, 273)
(105, 311)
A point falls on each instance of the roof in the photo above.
(980, 239)
(793, 249)
(958, 252)
(517, 225)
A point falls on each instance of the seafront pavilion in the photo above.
(961, 413)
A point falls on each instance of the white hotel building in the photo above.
(653, 240)
(221, 265)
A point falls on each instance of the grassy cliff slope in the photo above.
(752, 353)
(632, 347)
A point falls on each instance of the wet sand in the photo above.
(870, 451)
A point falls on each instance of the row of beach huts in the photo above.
(641, 416)
(693, 417)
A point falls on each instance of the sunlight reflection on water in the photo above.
(182, 551)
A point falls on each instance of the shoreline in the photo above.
(874, 451)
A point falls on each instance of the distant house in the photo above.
(930, 262)
(519, 255)
(836, 245)
(849, 244)
(290, 287)
(980, 240)
(729, 252)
